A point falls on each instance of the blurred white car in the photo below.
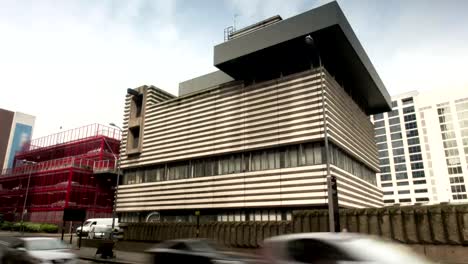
(49, 250)
(336, 248)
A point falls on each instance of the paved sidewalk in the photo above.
(124, 257)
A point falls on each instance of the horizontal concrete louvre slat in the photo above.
(242, 116)
(260, 122)
(343, 143)
(247, 108)
(357, 197)
(337, 140)
(353, 120)
(234, 137)
(233, 199)
(308, 122)
(217, 181)
(248, 190)
(346, 197)
(360, 138)
(340, 94)
(359, 192)
(292, 140)
(283, 139)
(351, 179)
(365, 140)
(232, 92)
(247, 104)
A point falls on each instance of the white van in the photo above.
(88, 224)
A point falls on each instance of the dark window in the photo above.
(407, 200)
(404, 192)
(408, 110)
(379, 124)
(400, 159)
(387, 184)
(411, 125)
(393, 113)
(396, 128)
(413, 141)
(419, 182)
(412, 133)
(415, 157)
(394, 121)
(444, 119)
(379, 131)
(385, 177)
(414, 149)
(397, 144)
(382, 146)
(378, 116)
(411, 117)
(385, 169)
(381, 139)
(383, 154)
(418, 174)
(394, 103)
(384, 162)
(406, 101)
(402, 183)
(420, 191)
(388, 193)
(455, 170)
(400, 167)
(417, 165)
(423, 199)
(389, 201)
(395, 136)
(457, 180)
(397, 152)
(401, 176)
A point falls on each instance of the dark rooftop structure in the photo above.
(275, 47)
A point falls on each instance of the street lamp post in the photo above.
(27, 192)
(117, 163)
(332, 191)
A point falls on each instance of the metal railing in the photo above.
(70, 162)
(70, 136)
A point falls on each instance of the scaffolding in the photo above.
(78, 171)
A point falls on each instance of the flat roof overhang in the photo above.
(281, 47)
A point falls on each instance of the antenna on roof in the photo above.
(235, 20)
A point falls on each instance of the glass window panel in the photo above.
(394, 121)
(379, 124)
(396, 128)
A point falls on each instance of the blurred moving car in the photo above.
(90, 223)
(12, 251)
(35, 250)
(195, 251)
(336, 248)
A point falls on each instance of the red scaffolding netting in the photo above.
(78, 172)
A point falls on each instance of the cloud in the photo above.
(69, 63)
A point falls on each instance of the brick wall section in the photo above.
(427, 225)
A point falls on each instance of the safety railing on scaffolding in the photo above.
(95, 165)
(68, 136)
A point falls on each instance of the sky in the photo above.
(69, 63)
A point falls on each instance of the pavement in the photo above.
(122, 257)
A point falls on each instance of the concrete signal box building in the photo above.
(255, 140)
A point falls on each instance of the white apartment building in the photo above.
(423, 147)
